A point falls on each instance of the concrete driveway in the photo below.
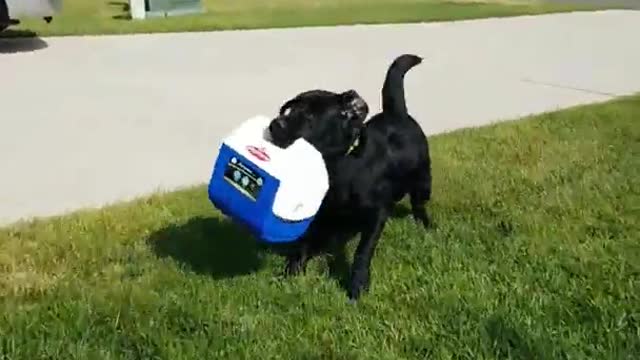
(87, 121)
(620, 4)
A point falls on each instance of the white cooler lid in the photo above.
(300, 168)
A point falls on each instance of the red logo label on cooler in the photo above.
(258, 153)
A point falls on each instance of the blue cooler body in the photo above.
(243, 190)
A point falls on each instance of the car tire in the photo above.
(4, 15)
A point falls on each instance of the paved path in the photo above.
(88, 121)
(620, 4)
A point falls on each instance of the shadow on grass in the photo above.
(209, 246)
(125, 8)
(221, 249)
(19, 41)
(507, 341)
(400, 211)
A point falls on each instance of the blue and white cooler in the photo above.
(274, 192)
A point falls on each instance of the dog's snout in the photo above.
(277, 124)
(277, 131)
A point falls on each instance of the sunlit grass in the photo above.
(536, 256)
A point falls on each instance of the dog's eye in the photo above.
(286, 112)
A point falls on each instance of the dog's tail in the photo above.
(393, 101)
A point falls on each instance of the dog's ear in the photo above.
(355, 109)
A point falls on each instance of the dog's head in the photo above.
(329, 121)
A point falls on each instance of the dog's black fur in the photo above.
(390, 160)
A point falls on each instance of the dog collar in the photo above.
(354, 145)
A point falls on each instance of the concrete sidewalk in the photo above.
(92, 120)
(618, 4)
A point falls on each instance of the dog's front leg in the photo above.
(361, 268)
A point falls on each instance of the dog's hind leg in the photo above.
(309, 246)
(420, 194)
(297, 261)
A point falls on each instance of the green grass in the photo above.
(536, 256)
(110, 17)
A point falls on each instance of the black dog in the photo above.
(371, 167)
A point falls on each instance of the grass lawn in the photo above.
(536, 256)
(111, 16)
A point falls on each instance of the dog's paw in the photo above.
(430, 225)
(425, 221)
(359, 285)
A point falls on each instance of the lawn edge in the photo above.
(548, 11)
(28, 221)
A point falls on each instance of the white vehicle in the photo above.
(11, 11)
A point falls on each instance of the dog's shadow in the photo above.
(210, 246)
(221, 249)
(401, 211)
